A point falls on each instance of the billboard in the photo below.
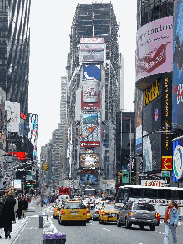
(88, 56)
(89, 160)
(17, 184)
(91, 72)
(90, 105)
(33, 133)
(154, 48)
(90, 129)
(88, 179)
(138, 120)
(152, 152)
(166, 163)
(90, 91)
(21, 127)
(177, 83)
(13, 116)
(177, 160)
(92, 40)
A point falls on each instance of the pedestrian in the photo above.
(19, 210)
(171, 221)
(24, 206)
(8, 213)
(15, 210)
(1, 220)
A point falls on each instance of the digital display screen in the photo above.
(91, 72)
(90, 91)
(88, 179)
(90, 118)
(89, 160)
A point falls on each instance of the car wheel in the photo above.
(94, 219)
(54, 216)
(118, 223)
(141, 227)
(127, 224)
(152, 228)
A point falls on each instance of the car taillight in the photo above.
(131, 213)
(88, 211)
(63, 212)
(103, 213)
(85, 212)
(97, 212)
(57, 210)
(157, 215)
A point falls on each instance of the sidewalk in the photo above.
(16, 227)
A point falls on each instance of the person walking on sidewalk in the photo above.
(171, 221)
(1, 220)
(24, 206)
(8, 214)
(19, 210)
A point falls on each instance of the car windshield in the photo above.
(143, 206)
(109, 207)
(77, 205)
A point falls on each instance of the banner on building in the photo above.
(154, 48)
(138, 120)
(90, 105)
(166, 163)
(177, 160)
(90, 91)
(13, 116)
(91, 72)
(92, 40)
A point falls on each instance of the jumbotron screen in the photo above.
(89, 160)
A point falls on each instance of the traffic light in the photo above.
(45, 166)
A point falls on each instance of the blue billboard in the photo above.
(177, 83)
(91, 72)
(177, 160)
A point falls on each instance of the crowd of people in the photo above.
(11, 207)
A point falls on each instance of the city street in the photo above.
(92, 233)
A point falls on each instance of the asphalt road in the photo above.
(93, 232)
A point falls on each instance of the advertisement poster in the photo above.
(90, 91)
(90, 129)
(166, 163)
(152, 152)
(90, 105)
(89, 161)
(91, 72)
(177, 84)
(138, 120)
(88, 179)
(13, 116)
(92, 40)
(154, 48)
(177, 160)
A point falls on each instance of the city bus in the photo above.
(158, 196)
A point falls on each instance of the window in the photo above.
(144, 206)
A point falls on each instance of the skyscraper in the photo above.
(94, 73)
(14, 50)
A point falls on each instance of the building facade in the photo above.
(93, 87)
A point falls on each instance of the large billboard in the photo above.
(152, 152)
(33, 133)
(13, 116)
(88, 179)
(90, 91)
(177, 160)
(92, 40)
(90, 105)
(177, 83)
(154, 48)
(91, 72)
(89, 160)
(138, 120)
(90, 129)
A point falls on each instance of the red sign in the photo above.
(90, 106)
(20, 155)
(166, 163)
(89, 144)
(23, 116)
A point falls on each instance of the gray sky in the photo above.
(50, 23)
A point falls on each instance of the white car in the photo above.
(61, 198)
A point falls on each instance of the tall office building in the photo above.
(14, 50)
(93, 93)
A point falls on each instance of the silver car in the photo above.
(96, 211)
(138, 213)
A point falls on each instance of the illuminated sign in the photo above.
(177, 160)
(90, 105)
(166, 114)
(92, 40)
(150, 95)
(89, 160)
(159, 183)
(23, 116)
(166, 163)
(89, 144)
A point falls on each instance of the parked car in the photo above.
(138, 213)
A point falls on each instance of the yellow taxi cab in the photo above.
(56, 210)
(88, 214)
(73, 211)
(108, 213)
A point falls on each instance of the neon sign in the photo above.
(149, 96)
(166, 114)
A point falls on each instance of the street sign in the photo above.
(165, 174)
(52, 178)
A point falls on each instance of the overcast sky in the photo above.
(50, 23)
